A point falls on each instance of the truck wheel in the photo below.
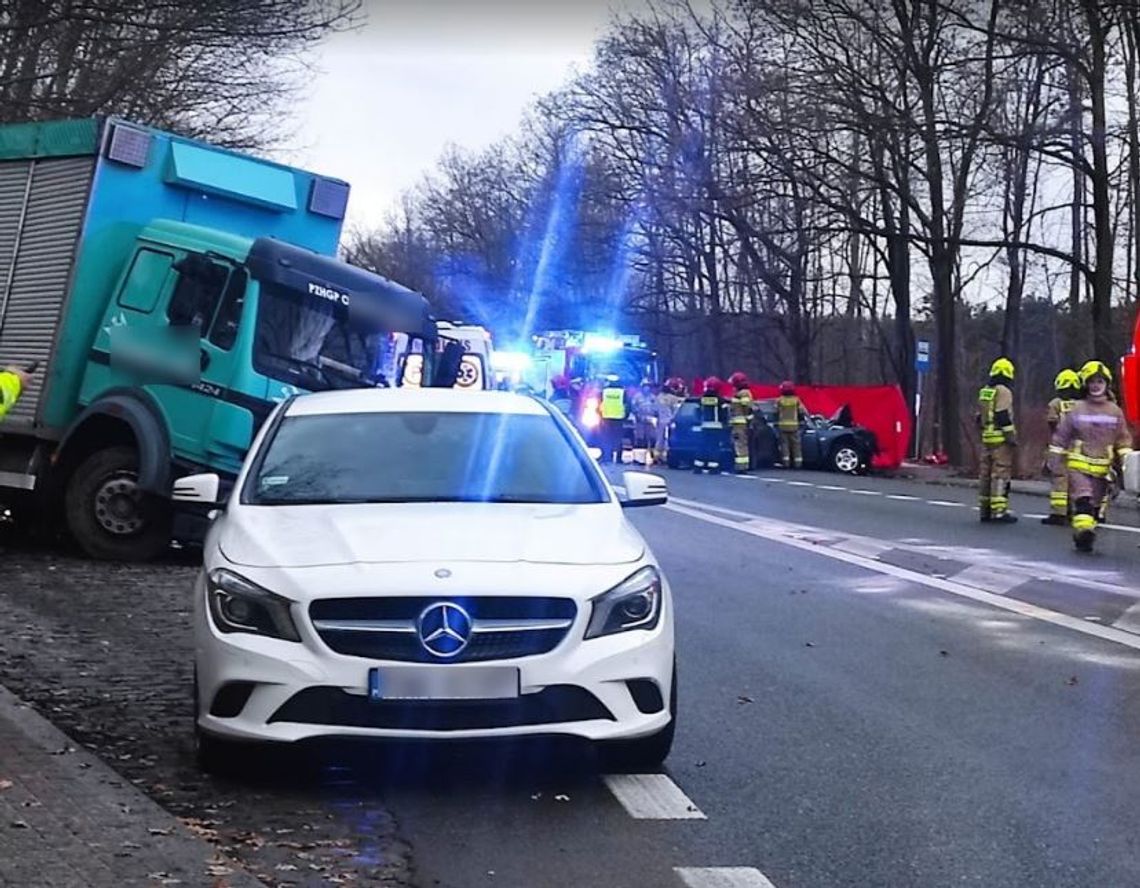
(110, 518)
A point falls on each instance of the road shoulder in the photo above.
(67, 819)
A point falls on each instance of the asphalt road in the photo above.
(875, 690)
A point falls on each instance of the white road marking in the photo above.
(1130, 619)
(830, 487)
(1123, 527)
(902, 496)
(783, 533)
(652, 797)
(992, 579)
(863, 546)
(800, 484)
(746, 477)
(950, 503)
(863, 492)
(722, 877)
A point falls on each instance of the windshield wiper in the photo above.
(322, 376)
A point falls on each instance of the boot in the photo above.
(1055, 520)
(984, 515)
(1084, 540)
(1004, 518)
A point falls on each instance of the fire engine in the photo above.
(584, 360)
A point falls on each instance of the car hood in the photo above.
(311, 536)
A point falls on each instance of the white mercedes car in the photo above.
(408, 563)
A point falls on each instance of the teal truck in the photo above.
(169, 294)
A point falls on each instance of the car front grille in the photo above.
(503, 627)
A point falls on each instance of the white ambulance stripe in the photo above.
(722, 877)
(652, 797)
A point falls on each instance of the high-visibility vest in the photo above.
(741, 407)
(710, 412)
(10, 388)
(613, 403)
(992, 436)
(788, 413)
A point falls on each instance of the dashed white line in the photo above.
(863, 492)
(902, 496)
(830, 487)
(722, 877)
(948, 503)
(652, 797)
(800, 484)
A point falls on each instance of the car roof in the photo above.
(414, 400)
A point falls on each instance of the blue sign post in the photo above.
(922, 365)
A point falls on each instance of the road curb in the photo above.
(68, 814)
(1025, 487)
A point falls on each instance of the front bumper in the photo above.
(588, 689)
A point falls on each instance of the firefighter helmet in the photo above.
(1067, 379)
(675, 384)
(1094, 368)
(1002, 367)
(714, 384)
(786, 387)
(738, 380)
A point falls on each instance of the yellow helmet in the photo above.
(1094, 368)
(1002, 367)
(1067, 379)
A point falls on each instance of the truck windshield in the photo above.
(630, 365)
(422, 457)
(303, 340)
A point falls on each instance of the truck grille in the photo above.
(502, 628)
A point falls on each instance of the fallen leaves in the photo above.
(743, 700)
(6, 784)
(1072, 680)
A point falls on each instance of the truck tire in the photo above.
(109, 517)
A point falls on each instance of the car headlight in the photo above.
(238, 605)
(633, 604)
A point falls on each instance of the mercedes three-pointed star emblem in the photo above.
(444, 629)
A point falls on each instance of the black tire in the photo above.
(846, 458)
(140, 535)
(645, 754)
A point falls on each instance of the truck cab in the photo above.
(173, 294)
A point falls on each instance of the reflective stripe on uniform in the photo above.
(1082, 521)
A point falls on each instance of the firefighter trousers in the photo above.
(791, 450)
(994, 475)
(1090, 496)
(1059, 494)
(740, 447)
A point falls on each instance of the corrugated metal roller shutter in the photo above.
(44, 257)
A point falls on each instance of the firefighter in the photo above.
(1068, 390)
(644, 416)
(668, 403)
(740, 421)
(613, 410)
(999, 438)
(1091, 439)
(13, 381)
(712, 427)
(789, 410)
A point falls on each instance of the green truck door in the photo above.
(166, 295)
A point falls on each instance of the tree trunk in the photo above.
(1074, 344)
(1102, 202)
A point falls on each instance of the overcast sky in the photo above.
(388, 98)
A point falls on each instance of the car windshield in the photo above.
(422, 457)
(303, 340)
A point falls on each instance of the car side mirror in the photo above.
(199, 489)
(644, 489)
(595, 453)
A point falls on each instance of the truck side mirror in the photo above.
(200, 489)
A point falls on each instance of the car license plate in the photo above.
(443, 683)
